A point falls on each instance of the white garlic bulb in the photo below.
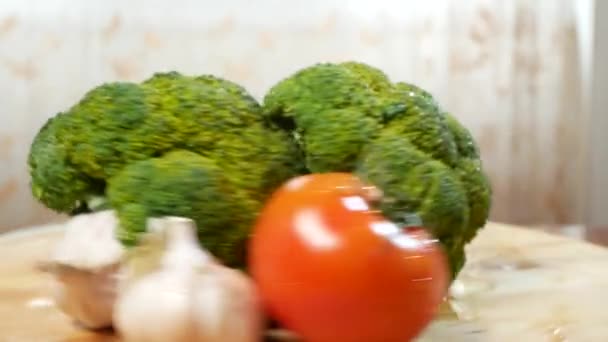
(189, 296)
(85, 265)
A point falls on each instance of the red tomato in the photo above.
(331, 269)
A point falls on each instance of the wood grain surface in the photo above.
(518, 285)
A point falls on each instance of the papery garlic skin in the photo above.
(155, 308)
(229, 310)
(189, 297)
(85, 265)
(87, 297)
(89, 242)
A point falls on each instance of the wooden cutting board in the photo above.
(518, 285)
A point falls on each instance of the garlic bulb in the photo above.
(85, 265)
(189, 296)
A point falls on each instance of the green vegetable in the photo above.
(203, 148)
(350, 117)
(171, 145)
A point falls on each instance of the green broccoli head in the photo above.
(115, 126)
(351, 117)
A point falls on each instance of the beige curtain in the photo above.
(515, 72)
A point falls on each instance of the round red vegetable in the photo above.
(331, 268)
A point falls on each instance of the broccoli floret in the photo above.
(100, 129)
(374, 78)
(470, 170)
(117, 126)
(331, 111)
(414, 183)
(351, 117)
(54, 179)
(182, 183)
(423, 123)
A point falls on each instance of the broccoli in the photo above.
(351, 117)
(203, 148)
(141, 149)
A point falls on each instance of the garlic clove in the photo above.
(85, 265)
(227, 307)
(189, 296)
(182, 247)
(85, 296)
(155, 309)
(89, 242)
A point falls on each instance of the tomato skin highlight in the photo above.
(330, 268)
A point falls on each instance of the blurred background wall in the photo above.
(516, 72)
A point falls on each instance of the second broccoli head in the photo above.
(351, 117)
(173, 145)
